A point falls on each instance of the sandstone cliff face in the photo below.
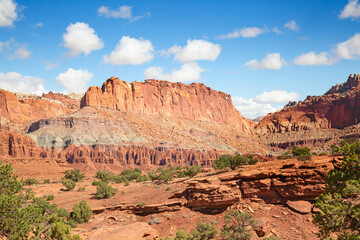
(193, 102)
(27, 110)
(338, 108)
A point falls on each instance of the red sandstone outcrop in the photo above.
(65, 99)
(15, 145)
(273, 182)
(338, 108)
(194, 101)
(27, 110)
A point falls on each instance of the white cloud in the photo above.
(350, 48)
(49, 65)
(270, 61)
(351, 10)
(276, 96)
(21, 53)
(123, 12)
(75, 80)
(189, 72)
(81, 38)
(277, 31)
(313, 59)
(37, 25)
(249, 32)
(251, 109)
(194, 50)
(6, 45)
(130, 51)
(8, 13)
(15, 82)
(292, 25)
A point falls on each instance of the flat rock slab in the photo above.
(134, 231)
(302, 207)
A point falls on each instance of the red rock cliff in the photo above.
(194, 101)
(338, 108)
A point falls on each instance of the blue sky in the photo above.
(263, 53)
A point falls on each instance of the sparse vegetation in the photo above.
(141, 204)
(69, 184)
(103, 190)
(22, 215)
(50, 197)
(74, 175)
(46, 181)
(339, 206)
(30, 181)
(301, 153)
(285, 155)
(81, 212)
(237, 225)
(234, 161)
(81, 189)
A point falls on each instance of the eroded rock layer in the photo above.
(193, 102)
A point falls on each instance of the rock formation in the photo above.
(193, 102)
(27, 110)
(338, 108)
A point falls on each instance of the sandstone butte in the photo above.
(193, 102)
(121, 125)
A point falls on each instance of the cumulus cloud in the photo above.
(21, 53)
(251, 109)
(276, 96)
(260, 105)
(15, 82)
(292, 25)
(81, 38)
(188, 72)
(8, 13)
(123, 12)
(194, 50)
(75, 80)
(270, 61)
(350, 49)
(130, 51)
(351, 10)
(249, 32)
(313, 59)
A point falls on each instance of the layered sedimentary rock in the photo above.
(28, 109)
(337, 108)
(193, 102)
(71, 102)
(272, 182)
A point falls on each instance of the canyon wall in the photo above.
(338, 108)
(193, 102)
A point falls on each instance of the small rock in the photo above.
(276, 216)
(302, 207)
(250, 209)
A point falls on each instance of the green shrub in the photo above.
(237, 225)
(74, 175)
(96, 183)
(81, 212)
(46, 181)
(285, 155)
(168, 189)
(22, 215)
(103, 190)
(232, 162)
(104, 176)
(142, 178)
(204, 231)
(181, 235)
(301, 153)
(50, 197)
(81, 189)
(69, 184)
(30, 181)
(141, 204)
(193, 170)
(339, 214)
